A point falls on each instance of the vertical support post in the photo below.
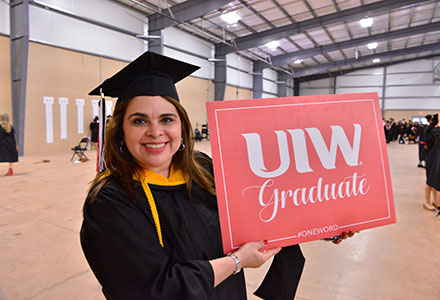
(155, 45)
(257, 80)
(384, 86)
(155, 26)
(282, 84)
(334, 84)
(295, 87)
(19, 23)
(220, 77)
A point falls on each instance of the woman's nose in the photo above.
(155, 130)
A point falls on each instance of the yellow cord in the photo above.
(153, 209)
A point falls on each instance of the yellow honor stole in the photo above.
(149, 177)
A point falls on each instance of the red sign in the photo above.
(297, 169)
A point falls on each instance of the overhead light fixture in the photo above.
(366, 22)
(230, 17)
(376, 60)
(273, 45)
(216, 59)
(298, 61)
(148, 37)
(372, 46)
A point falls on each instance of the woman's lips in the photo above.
(155, 147)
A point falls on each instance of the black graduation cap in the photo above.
(150, 74)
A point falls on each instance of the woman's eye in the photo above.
(139, 121)
(167, 120)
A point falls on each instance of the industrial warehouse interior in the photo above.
(54, 52)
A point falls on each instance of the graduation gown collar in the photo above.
(175, 178)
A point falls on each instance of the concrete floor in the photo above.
(41, 258)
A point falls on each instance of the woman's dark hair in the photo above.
(123, 167)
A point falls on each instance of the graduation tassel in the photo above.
(101, 165)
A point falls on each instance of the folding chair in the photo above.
(80, 149)
(205, 132)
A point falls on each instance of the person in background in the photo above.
(430, 140)
(387, 128)
(422, 143)
(151, 225)
(94, 128)
(8, 144)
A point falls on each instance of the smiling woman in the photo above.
(151, 226)
(152, 132)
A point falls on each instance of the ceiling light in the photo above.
(230, 17)
(273, 45)
(376, 60)
(366, 22)
(372, 46)
(298, 61)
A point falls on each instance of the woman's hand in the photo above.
(344, 235)
(251, 255)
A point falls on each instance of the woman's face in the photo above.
(152, 132)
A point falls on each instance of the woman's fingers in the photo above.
(344, 235)
(270, 252)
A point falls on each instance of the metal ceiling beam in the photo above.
(343, 72)
(287, 59)
(184, 12)
(261, 38)
(302, 72)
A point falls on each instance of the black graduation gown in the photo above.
(8, 146)
(94, 128)
(433, 159)
(120, 243)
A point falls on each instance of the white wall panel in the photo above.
(206, 67)
(409, 79)
(378, 90)
(270, 74)
(372, 71)
(104, 11)
(323, 83)
(185, 41)
(270, 86)
(413, 91)
(266, 95)
(60, 30)
(238, 78)
(4, 18)
(239, 62)
(307, 92)
(414, 103)
(364, 80)
(423, 65)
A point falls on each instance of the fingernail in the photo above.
(265, 242)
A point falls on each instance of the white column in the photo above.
(63, 117)
(108, 107)
(95, 107)
(80, 115)
(48, 102)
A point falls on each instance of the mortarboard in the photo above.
(150, 74)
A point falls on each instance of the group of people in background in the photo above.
(402, 131)
(428, 138)
(8, 144)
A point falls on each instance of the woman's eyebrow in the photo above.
(168, 115)
(138, 114)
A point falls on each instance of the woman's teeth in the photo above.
(155, 146)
